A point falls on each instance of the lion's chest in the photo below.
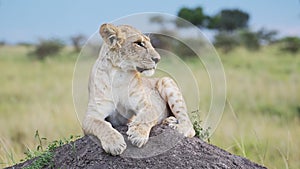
(130, 94)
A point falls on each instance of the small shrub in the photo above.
(250, 40)
(200, 131)
(290, 44)
(226, 41)
(44, 155)
(47, 48)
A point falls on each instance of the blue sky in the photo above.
(29, 20)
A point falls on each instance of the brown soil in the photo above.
(169, 150)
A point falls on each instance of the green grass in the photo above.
(34, 96)
(261, 120)
(44, 155)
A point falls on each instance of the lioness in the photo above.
(118, 95)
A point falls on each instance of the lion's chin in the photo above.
(145, 71)
(149, 72)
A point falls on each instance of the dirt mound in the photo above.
(165, 149)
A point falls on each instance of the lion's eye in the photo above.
(141, 44)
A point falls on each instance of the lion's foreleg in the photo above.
(144, 119)
(170, 92)
(111, 140)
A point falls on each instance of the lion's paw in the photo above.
(184, 128)
(171, 121)
(113, 143)
(138, 135)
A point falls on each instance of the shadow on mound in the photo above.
(186, 153)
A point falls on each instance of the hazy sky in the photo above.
(29, 20)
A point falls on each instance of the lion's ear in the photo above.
(111, 35)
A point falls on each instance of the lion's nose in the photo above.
(155, 59)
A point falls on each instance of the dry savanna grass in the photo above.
(260, 121)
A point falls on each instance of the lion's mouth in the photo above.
(141, 70)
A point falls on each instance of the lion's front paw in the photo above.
(138, 134)
(113, 143)
(171, 121)
(184, 128)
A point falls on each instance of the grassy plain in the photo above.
(261, 120)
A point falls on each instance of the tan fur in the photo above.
(119, 95)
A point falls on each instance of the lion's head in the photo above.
(129, 49)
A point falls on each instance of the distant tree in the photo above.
(2, 43)
(47, 48)
(165, 40)
(26, 44)
(161, 39)
(267, 36)
(78, 41)
(213, 22)
(193, 15)
(229, 20)
(157, 19)
(226, 42)
(185, 51)
(249, 39)
(160, 21)
(290, 44)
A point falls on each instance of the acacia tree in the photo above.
(78, 41)
(267, 36)
(229, 20)
(231, 26)
(194, 15)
